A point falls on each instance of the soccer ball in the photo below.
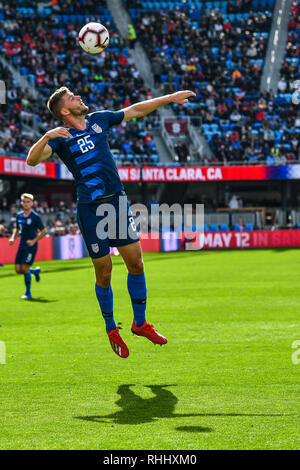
(93, 38)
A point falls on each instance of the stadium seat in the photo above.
(205, 127)
(155, 157)
(225, 127)
(224, 228)
(24, 70)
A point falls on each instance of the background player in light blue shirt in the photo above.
(82, 144)
(31, 229)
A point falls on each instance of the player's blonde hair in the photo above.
(55, 104)
(29, 196)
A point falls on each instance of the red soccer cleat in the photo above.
(117, 344)
(149, 332)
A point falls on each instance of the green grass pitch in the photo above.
(225, 380)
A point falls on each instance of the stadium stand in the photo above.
(290, 68)
(240, 123)
(34, 40)
(13, 139)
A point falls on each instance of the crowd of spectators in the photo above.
(291, 67)
(264, 130)
(18, 106)
(42, 44)
(220, 55)
(209, 49)
(217, 52)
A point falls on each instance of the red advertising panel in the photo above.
(18, 166)
(45, 250)
(252, 239)
(209, 173)
(148, 244)
(8, 253)
(129, 174)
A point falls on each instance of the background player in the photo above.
(82, 145)
(31, 229)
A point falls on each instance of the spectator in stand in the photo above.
(270, 160)
(157, 70)
(269, 136)
(233, 203)
(282, 85)
(235, 116)
(131, 36)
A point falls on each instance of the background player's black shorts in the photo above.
(26, 254)
(106, 222)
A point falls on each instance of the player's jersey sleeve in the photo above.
(113, 118)
(55, 144)
(17, 224)
(39, 223)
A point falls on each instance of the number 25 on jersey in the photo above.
(85, 144)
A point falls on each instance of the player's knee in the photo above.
(103, 279)
(136, 266)
(18, 269)
(103, 275)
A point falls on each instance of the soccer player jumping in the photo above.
(82, 144)
(31, 229)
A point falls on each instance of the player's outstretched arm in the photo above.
(145, 107)
(40, 151)
(14, 236)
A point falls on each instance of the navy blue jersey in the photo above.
(88, 157)
(28, 226)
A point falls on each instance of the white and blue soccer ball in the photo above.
(93, 38)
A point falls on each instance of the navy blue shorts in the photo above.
(106, 222)
(26, 254)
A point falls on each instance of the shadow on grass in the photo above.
(67, 268)
(137, 410)
(263, 415)
(52, 270)
(9, 274)
(166, 256)
(42, 301)
(193, 429)
(176, 254)
(283, 250)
